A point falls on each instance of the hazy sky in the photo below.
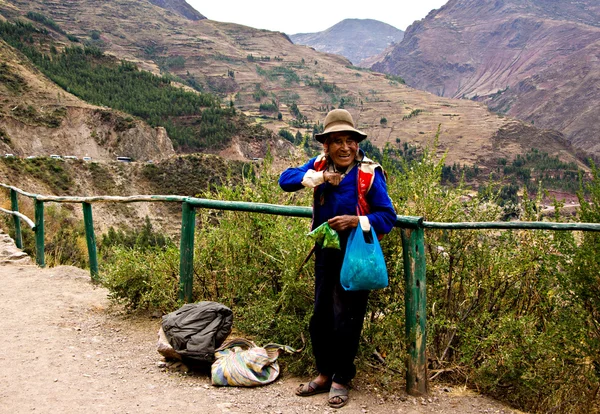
(308, 16)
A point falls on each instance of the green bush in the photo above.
(268, 107)
(258, 93)
(512, 313)
(394, 78)
(289, 75)
(12, 81)
(413, 113)
(65, 238)
(140, 239)
(286, 134)
(56, 173)
(46, 21)
(148, 280)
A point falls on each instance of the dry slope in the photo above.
(37, 118)
(252, 67)
(533, 60)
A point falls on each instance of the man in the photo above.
(349, 189)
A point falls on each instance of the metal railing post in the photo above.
(14, 202)
(39, 233)
(186, 252)
(91, 240)
(413, 246)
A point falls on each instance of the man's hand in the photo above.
(332, 177)
(340, 223)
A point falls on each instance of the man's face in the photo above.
(341, 147)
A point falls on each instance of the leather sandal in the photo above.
(312, 388)
(338, 397)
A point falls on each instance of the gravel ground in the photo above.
(65, 349)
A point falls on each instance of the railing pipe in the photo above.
(409, 222)
(90, 238)
(23, 217)
(512, 225)
(18, 190)
(296, 211)
(186, 253)
(39, 233)
(14, 205)
(263, 208)
(413, 253)
(111, 199)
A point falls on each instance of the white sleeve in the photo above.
(364, 222)
(313, 179)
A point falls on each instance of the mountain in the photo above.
(277, 85)
(355, 39)
(179, 7)
(536, 60)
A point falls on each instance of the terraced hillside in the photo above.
(264, 74)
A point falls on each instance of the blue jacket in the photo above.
(331, 201)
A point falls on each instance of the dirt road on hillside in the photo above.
(65, 349)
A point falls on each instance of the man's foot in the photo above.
(312, 388)
(338, 397)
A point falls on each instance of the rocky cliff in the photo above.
(536, 60)
(37, 118)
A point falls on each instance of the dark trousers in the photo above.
(337, 319)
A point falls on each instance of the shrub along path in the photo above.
(66, 349)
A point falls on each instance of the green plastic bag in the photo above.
(326, 237)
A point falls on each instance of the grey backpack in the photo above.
(196, 330)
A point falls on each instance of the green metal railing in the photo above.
(413, 245)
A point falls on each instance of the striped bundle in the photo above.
(239, 362)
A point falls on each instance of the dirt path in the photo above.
(65, 349)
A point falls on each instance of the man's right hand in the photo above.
(332, 178)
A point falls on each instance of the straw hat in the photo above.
(339, 120)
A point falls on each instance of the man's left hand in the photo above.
(345, 222)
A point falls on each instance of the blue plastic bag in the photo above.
(364, 265)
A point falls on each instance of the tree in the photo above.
(284, 133)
